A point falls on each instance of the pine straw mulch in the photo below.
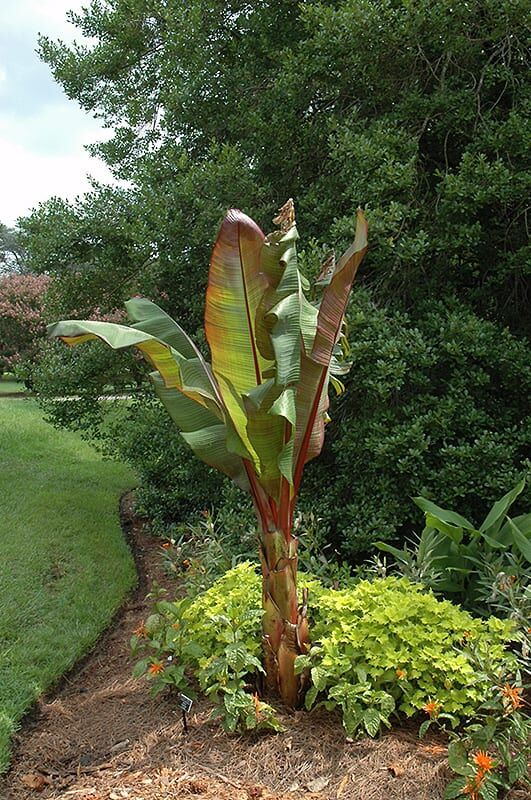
(100, 736)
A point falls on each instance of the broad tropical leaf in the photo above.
(202, 431)
(496, 516)
(235, 288)
(177, 372)
(336, 294)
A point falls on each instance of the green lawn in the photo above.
(8, 385)
(64, 565)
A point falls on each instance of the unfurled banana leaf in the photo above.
(258, 412)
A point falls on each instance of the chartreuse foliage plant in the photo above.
(391, 646)
(258, 411)
(380, 648)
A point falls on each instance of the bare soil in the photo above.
(99, 736)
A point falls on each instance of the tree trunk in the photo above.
(284, 624)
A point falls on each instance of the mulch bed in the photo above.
(99, 736)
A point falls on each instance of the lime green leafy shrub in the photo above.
(390, 645)
(381, 647)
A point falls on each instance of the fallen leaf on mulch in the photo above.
(35, 781)
(318, 784)
(342, 786)
(434, 749)
(396, 769)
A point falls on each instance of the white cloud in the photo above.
(39, 16)
(42, 132)
(28, 179)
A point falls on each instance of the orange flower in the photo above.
(141, 631)
(483, 761)
(471, 789)
(400, 674)
(432, 707)
(176, 626)
(512, 693)
(156, 668)
(166, 545)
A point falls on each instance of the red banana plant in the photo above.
(257, 412)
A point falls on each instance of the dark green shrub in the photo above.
(174, 484)
(436, 404)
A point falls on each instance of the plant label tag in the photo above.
(185, 703)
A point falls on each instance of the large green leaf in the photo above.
(521, 541)
(147, 316)
(442, 514)
(202, 431)
(494, 519)
(312, 391)
(236, 285)
(186, 375)
(188, 415)
(312, 407)
(523, 523)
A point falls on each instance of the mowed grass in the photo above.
(64, 565)
(8, 386)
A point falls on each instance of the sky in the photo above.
(42, 132)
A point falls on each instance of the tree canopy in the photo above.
(417, 110)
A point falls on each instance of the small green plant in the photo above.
(490, 753)
(454, 557)
(318, 558)
(214, 638)
(200, 553)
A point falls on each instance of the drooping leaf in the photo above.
(522, 522)
(187, 414)
(453, 531)
(148, 317)
(176, 371)
(202, 431)
(209, 444)
(521, 541)
(371, 721)
(447, 517)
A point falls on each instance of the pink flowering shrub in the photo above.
(21, 323)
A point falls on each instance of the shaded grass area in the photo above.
(64, 565)
(10, 385)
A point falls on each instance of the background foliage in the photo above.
(417, 111)
(21, 327)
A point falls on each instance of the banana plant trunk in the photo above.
(284, 622)
(285, 630)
